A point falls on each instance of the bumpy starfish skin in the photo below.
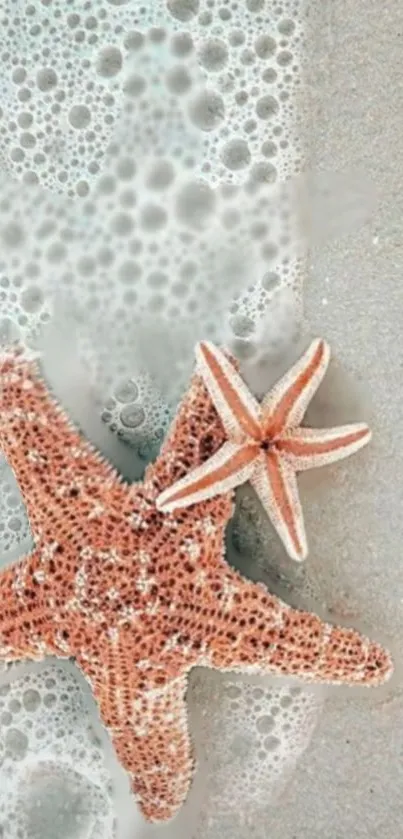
(265, 443)
(138, 597)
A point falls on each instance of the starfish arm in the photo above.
(45, 451)
(238, 410)
(257, 633)
(285, 405)
(307, 448)
(275, 483)
(24, 625)
(149, 732)
(231, 466)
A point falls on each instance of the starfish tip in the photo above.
(364, 434)
(322, 345)
(299, 555)
(379, 666)
(368, 434)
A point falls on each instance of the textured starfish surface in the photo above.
(138, 597)
(265, 443)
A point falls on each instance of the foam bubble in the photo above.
(178, 80)
(253, 739)
(183, 10)
(207, 110)
(267, 107)
(213, 54)
(236, 154)
(79, 116)
(265, 46)
(161, 175)
(195, 201)
(109, 61)
(132, 416)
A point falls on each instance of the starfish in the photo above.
(137, 597)
(264, 442)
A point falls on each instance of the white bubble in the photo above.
(32, 299)
(183, 10)
(80, 116)
(213, 54)
(265, 724)
(284, 58)
(134, 40)
(207, 110)
(194, 203)
(286, 26)
(235, 154)
(157, 279)
(255, 5)
(25, 119)
(19, 75)
(132, 416)
(109, 61)
(135, 85)
(178, 80)
(129, 272)
(12, 234)
(127, 392)
(265, 46)
(122, 224)
(31, 699)
(270, 280)
(16, 743)
(267, 107)
(27, 140)
(152, 217)
(125, 168)
(161, 175)
(263, 172)
(181, 44)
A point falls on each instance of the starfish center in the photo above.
(266, 445)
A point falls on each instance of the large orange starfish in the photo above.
(265, 443)
(137, 597)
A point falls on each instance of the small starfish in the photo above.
(136, 597)
(265, 443)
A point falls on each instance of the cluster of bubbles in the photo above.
(153, 242)
(270, 727)
(14, 527)
(65, 65)
(60, 63)
(249, 55)
(54, 778)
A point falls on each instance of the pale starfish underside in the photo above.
(265, 443)
(137, 597)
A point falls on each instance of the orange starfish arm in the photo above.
(231, 466)
(149, 732)
(306, 448)
(285, 405)
(257, 633)
(275, 483)
(239, 411)
(24, 626)
(49, 457)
